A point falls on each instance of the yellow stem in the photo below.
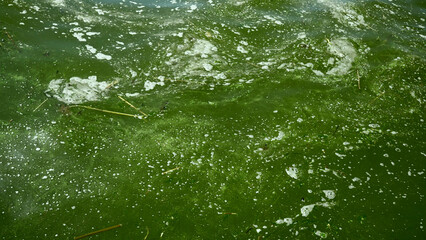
(131, 105)
(107, 111)
(147, 229)
(35, 109)
(96, 232)
(171, 170)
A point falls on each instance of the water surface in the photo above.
(266, 119)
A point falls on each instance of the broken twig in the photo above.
(359, 80)
(108, 111)
(171, 170)
(96, 232)
(229, 213)
(131, 105)
(372, 101)
(35, 109)
(112, 84)
(147, 229)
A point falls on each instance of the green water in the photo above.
(266, 119)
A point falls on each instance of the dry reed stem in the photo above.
(229, 213)
(147, 229)
(131, 105)
(359, 80)
(112, 84)
(169, 171)
(96, 232)
(35, 109)
(381, 94)
(108, 111)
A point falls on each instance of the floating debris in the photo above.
(147, 233)
(35, 109)
(171, 170)
(108, 111)
(131, 105)
(98, 231)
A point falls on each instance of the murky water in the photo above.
(264, 119)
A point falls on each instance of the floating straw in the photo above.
(255, 65)
(359, 80)
(131, 105)
(96, 232)
(229, 213)
(111, 84)
(35, 109)
(372, 101)
(107, 111)
(171, 170)
(147, 229)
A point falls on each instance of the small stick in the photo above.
(11, 39)
(112, 84)
(229, 213)
(255, 65)
(35, 109)
(147, 229)
(107, 111)
(96, 232)
(131, 105)
(174, 80)
(171, 170)
(372, 101)
(328, 41)
(359, 80)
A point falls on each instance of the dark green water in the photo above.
(266, 119)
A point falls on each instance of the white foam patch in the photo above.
(208, 67)
(132, 94)
(344, 13)
(292, 172)
(203, 48)
(280, 136)
(102, 56)
(306, 210)
(91, 49)
(288, 221)
(346, 54)
(194, 58)
(330, 194)
(241, 49)
(278, 22)
(58, 3)
(77, 90)
(149, 85)
(79, 36)
(92, 33)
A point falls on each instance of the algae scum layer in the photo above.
(239, 119)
